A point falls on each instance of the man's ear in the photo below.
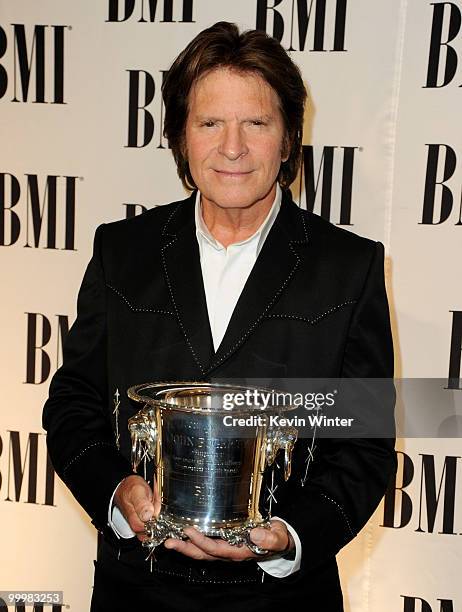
(184, 148)
(285, 148)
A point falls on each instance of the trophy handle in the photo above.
(143, 432)
(282, 438)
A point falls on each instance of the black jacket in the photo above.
(314, 306)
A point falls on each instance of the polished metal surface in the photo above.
(207, 474)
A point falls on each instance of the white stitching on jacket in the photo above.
(309, 458)
(313, 319)
(192, 579)
(134, 308)
(164, 263)
(164, 229)
(303, 222)
(342, 512)
(84, 450)
(175, 306)
(262, 315)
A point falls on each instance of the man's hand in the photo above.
(276, 539)
(137, 502)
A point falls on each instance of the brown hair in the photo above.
(253, 51)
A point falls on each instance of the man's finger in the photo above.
(134, 498)
(189, 549)
(274, 539)
(142, 503)
(136, 524)
(218, 548)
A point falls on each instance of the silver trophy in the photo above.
(209, 468)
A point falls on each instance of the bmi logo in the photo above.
(141, 119)
(445, 43)
(146, 11)
(40, 211)
(441, 185)
(26, 474)
(417, 604)
(326, 184)
(39, 334)
(132, 209)
(311, 25)
(431, 507)
(36, 72)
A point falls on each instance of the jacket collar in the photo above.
(271, 275)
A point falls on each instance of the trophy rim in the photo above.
(134, 393)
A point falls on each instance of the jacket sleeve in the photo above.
(348, 477)
(76, 416)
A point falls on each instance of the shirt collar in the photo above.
(203, 233)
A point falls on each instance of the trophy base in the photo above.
(163, 527)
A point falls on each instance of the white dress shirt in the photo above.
(225, 271)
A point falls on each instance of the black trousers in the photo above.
(124, 582)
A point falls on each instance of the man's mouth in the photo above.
(233, 173)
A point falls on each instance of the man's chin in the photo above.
(233, 198)
(233, 203)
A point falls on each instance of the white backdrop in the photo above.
(384, 104)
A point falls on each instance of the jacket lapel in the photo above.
(269, 278)
(183, 275)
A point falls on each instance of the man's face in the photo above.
(234, 138)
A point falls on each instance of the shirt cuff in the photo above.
(280, 567)
(117, 521)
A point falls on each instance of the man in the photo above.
(234, 281)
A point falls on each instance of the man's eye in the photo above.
(257, 122)
(208, 123)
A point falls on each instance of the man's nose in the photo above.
(233, 143)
